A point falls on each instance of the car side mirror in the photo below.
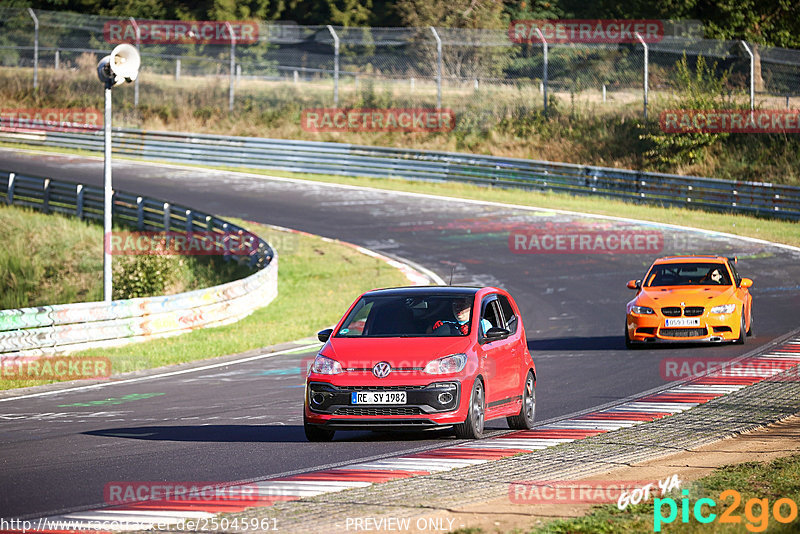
(495, 333)
(634, 284)
(746, 282)
(324, 335)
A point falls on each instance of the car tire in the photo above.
(742, 332)
(472, 427)
(630, 345)
(527, 412)
(750, 330)
(317, 433)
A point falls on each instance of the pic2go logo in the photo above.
(756, 511)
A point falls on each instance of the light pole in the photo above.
(122, 65)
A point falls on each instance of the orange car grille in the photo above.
(683, 332)
(688, 311)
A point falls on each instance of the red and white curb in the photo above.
(146, 514)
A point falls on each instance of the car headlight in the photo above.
(642, 310)
(326, 366)
(447, 365)
(725, 308)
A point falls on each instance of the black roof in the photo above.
(413, 291)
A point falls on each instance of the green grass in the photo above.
(771, 481)
(317, 281)
(48, 259)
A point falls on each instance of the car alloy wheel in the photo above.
(472, 427)
(527, 412)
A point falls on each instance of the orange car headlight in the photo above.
(725, 308)
(642, 310)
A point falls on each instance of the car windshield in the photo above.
(688, 274)
(409, 316)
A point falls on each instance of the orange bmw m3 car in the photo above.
(690, 299)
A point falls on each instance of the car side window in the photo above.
(736, 277)
(490, 317)
(508, 314)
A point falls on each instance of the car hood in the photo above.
(363, 353)
(659, 297)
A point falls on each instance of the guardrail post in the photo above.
(167, 222)
(189, 223)
(335, 66)
(46, 196)
(35, 48)
(136, 81)
(646, 54)
(11, 183)
(139, 213)
(544, 67)
(752, 75)
(232, 66)
(79, 201)
(209, 224)
(438, 68)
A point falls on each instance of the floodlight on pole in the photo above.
(121, 66)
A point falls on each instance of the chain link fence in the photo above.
(481, 71)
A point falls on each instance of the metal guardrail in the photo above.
(48, 330)
(754, 198)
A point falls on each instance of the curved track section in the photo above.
(244, 421)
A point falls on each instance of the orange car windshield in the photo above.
(688, 274)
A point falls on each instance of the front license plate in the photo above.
(378, 397)
(682, 322)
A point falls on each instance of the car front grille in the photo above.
(382, 388)
(683, 332)
(693, 311)
(671, 311)
(378, 410)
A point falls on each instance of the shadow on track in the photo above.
(258, 434)
(213, 433)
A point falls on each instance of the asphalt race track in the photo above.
(244, 421)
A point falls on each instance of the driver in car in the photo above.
(461, 309)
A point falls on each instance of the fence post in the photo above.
(544, 67)
(167, 222)
(139, 213)
(57, 59)
(178, 68)
(79, 201)
(335, 66)
(136, 81)
(46, 196)
(752, 75)
(438, 68)
(646, 53)
(35, 48)
(11, 184)
(233, 64)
